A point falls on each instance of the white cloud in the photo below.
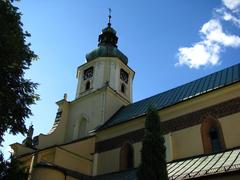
(229, 17)
(207, 51)
(199, 55)
(213, 32)
(232, 16)
(232, 4)
(213, 39)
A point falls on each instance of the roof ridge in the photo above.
(205, 84)
(238, 64)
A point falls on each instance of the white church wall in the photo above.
(88, 107)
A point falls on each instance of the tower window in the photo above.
(123, 88)
(124, 76)
(87, 85)
(88, 73)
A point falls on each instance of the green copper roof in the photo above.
(168, 98)
(205, 165)
(106, 51)
(107, 46)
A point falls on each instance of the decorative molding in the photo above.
(132, 137)
(191, 119)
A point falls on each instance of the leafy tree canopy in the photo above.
(12, 170)
(16, 92)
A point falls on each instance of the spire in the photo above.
(109, 17)
(108, 36)
(107, 44)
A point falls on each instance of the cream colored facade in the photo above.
(75, 144)
(183, 143)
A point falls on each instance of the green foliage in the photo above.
(12, 169)
(16, 92)
(153, 155)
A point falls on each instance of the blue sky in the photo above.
(168, 43)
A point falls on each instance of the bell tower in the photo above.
(104, 86)
(106, 66)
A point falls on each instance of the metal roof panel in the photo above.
(173, 96)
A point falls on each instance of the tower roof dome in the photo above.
(106, 51)
(107, 46)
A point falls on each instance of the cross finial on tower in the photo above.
(109, 16)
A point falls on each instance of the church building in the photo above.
(98, 135)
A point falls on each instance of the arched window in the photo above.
(80, 129)
(123, 88)
(212, 135)
(126, 156)
(215, 140)
(75, 131)
(87, 86)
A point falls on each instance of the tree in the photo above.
(16, 92)
(12, 170)
(153, 155)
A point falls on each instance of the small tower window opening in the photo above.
(87, 85)
(126, 156)
(88, 73)
(123, 88)
(124, 76)
(214, 138)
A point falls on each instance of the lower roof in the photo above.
(205, 165)
(222, 163)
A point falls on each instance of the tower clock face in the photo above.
(124, 76)
(88, 73)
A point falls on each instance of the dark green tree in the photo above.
(12, 169)
(16, 92)
(153, 155)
